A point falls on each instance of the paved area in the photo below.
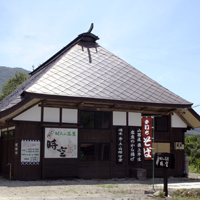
(186, 185)
(75, 198)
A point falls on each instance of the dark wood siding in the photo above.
(7, 156)
(95, 169)
(178, 136)
(29, 131)
(174, 135)
(60, 168)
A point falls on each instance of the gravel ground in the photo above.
(114, 189)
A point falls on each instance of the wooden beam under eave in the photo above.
(80, 105)
(113, 106)
(184, 120)
(100, 106)
(126, 109)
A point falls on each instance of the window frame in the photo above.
(155, 122)
(8, 135)
(95, 119)
(95, 151)
(166, 117)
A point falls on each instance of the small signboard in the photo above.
(120, 149)
(164, 160)
(30, 152)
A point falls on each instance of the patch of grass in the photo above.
(161, 194)
(70, 190)
(109, 186)
(120, 191)
(186, 194)
(193, 169)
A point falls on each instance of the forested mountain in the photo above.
(8, 72)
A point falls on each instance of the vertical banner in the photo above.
(120, 149)
(132, 146)
(147, 124)
(135, 145)
(139, 145)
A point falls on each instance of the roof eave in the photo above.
(28, 97)
(134, 103)
(190, 116)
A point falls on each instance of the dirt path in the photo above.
(115, 189)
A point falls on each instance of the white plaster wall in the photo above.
(177, 122)
(69, 115)
(119, 118)
(51, 115)
(33, 114)
(134, 119)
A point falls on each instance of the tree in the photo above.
(192, 150)
(13, 83)
(190, 143)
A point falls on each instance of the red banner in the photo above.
(147, 124)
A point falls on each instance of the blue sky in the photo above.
(159, 38)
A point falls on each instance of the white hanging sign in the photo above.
(61, 143)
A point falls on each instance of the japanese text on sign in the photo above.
(120, 145)
(61, 143)
(135, 145)
(164, 160)
(147, 137)
(30, 152)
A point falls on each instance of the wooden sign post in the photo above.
(166, 181)
(165, 161)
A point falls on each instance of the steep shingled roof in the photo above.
(89, 70)
(85, 69)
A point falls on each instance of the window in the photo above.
(95, 152)
(161, 147)
(161, 123)
(87, 152)
(103, 152)
(8, 134)
(95, 119)
(5, 134)
(11, 134)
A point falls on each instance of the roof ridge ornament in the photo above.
(88, 36)
(91, 28)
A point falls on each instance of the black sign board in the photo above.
(164, 160)
(135, 145)
(120, 148)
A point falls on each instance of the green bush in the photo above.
(192, 150)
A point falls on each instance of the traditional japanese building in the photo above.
(79, 115)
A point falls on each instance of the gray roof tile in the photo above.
(89, 70)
